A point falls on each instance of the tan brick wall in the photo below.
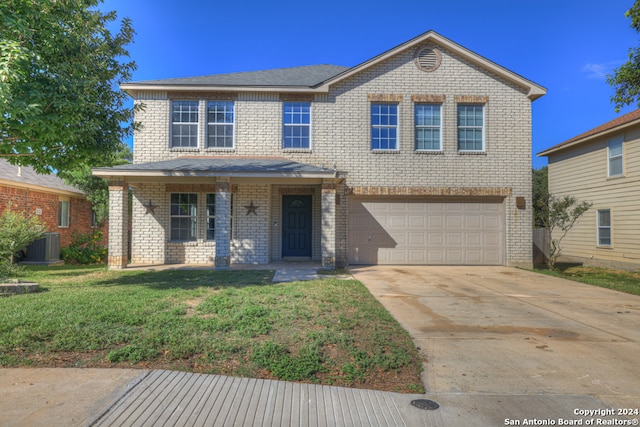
(341, 135)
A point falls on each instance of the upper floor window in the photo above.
(297, 125)
(470, 128)
(384, 126)
(604, 227)
(184, 124)
(63, 213)
(220, 124)
(184, 209)
(428, 127)
(615, 157)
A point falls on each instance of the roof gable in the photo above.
(619, 123)
(318, 78)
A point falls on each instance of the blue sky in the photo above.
(567, 46)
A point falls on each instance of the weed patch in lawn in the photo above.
(329, 331)
(618, 280)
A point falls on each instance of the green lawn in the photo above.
(329, 331)
(619, 280)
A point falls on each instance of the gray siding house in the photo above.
(420, 155)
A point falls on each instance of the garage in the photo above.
(437, 232)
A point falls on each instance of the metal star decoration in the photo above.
(252, 208)
(150, 208)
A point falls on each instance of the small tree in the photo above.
(562, 213)
(17, 230)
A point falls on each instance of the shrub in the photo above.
(85, 248)
(17, 230)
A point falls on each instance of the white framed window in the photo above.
(184, 216)
(604, 227)
(470, 127)
(63, 213)
(184, 124)
(384, 126)
(614, 154)
(220, 124)
(296, 122)
(428, 127)
(211, 216)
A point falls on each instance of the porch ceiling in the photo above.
(238, 167)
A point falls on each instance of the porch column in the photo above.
(118, 225)
(328, 239)
(223, 224)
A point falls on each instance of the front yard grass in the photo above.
(239, 323)
(618, 280)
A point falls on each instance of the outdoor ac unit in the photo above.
(45, 250)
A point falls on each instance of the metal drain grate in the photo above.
(427, 405)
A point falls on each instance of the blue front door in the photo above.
(296, 226)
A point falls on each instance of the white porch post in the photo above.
(223, 224)
(328, 239)
(118, 225)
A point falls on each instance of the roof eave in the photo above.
(131, 88)
(586, 139)
(132, 173)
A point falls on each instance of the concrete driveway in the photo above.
(510, 334)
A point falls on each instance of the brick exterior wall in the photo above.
(32, 202)
(340, 136)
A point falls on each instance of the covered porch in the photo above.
(223, 211)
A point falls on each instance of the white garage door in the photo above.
(382, 231)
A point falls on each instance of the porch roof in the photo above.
(228, 166)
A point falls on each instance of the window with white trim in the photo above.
(63, 213)
(428, 126)
(384, 126)
(184, 124)
(470, 127)
(184, 216)
(220, 124)
(614, 153)
(604, 227)
(296, 121)
(211, 216)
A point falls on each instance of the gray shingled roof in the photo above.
(212, 166)
(28, 176)
(307, 76)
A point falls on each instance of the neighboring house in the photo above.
(601, 166)
(420, 155)
(61, 208)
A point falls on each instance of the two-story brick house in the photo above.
(420, 155)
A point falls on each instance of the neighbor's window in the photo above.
(220, 124)
(184, 124)
(604, 227)
(470, 128)
(384, 126)
(615, 157)
(94, 222)
(428, 127)
(63, 213)
(297, 125)
(184, 216)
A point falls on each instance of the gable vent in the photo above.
(428, 58)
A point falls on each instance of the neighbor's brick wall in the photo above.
(341, 134)
(28, 201)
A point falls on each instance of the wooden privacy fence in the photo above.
(541, 239)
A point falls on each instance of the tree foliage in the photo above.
(96, 189)
(17, 230)
(60, 68)
(561, 215)
(626, 79)
(540, 193)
